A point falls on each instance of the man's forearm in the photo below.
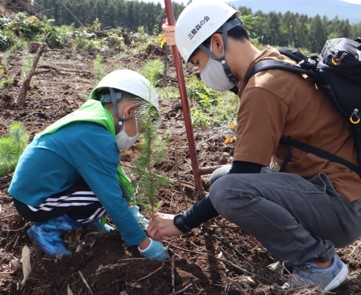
(195, 215)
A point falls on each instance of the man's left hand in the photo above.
(161, 226)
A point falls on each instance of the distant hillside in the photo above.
(329, 8)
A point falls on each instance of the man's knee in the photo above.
(221, 192)
(218, 173)
(233, 191)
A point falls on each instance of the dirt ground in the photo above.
(216, 258)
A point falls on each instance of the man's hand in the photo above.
(169, 34)
(162, 225)
(153, 251)
(139, 217)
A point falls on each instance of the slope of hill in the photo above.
(329, 8)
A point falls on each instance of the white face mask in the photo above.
(124, 141)
(213, 76)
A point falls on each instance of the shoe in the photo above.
(324, 278)
(47, 234)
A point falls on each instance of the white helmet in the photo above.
(130, 82)
(197, 22)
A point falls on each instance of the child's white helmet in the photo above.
(128, 81)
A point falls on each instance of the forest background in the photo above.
(277, 29)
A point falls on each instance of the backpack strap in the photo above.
(320, 153)
(268, 64)
(305, 67)
(293, 54)
(286, 159)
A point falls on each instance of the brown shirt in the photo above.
(277, 103)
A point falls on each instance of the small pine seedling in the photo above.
(152, 150)
(99, 70)
(12, 146)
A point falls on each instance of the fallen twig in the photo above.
(236, 285)
(148, 275)
(18, 229)
(16, 241)
(7, 216)
(61, 71)
(182, 290)
(356, 247)
(224, 261)
(85, 283)
(172, 272)
(6, 197)
(187, 185)
(110, 267)
(184, 197)
(6, 272)
(235, 250)
(135, 258)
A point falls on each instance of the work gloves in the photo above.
(139, 217)
(155, 251)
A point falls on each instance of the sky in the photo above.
(184, 2)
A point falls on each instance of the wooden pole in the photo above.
(185, 105)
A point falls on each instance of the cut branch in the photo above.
(85, 283)
(20, 101)
(182, 290)
(178, 179)
(152, 273)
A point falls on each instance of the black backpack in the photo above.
(337, 71)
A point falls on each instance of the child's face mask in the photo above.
(124, 141)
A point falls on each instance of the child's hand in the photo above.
(154, 251)
(139, 217)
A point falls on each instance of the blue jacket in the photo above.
(77, 149)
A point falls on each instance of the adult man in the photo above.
(299, 216)
(69, 176)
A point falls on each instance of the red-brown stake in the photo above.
(184, 101)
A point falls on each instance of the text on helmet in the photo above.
(195, 30)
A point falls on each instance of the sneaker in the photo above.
(324, 278)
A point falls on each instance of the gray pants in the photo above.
(296, 219)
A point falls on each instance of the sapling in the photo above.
(27, 63)
(152, 150)
(99, 70)
(153, 70)
(11, 147)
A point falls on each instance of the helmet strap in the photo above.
(224, 31)
(115, 99)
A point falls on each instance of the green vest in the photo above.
(93, 111)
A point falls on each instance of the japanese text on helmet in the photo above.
(195, 30)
